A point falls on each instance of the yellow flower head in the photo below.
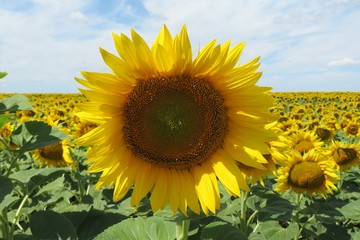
(54, 155)
(173, 124)
(345, 155)
(306, 173)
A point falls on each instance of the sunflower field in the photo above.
(47, 193)
(168, 145)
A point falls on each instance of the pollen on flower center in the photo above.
(53, 152)
(175, 122)
(307, 175)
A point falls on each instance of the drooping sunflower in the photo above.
(308, 173)
(345, 155)
(54, 155)
(174, 125)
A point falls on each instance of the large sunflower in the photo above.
(309, 173)
(174, 125)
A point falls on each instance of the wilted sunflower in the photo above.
(54, 155)
(345, 155)
(309, 173)
(174, 125)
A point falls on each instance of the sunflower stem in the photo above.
(297, 220)
(182, 229)
(17, 216)
(4, 224)
(243, 222)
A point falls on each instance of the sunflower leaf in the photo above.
(6, 188)
(4, 118)
(2, 74)
(15, 103)
(272, 230)
(221, 231)
(36, 177)
(32, 135)
(51, 225)
(139, 228)
(351, 210)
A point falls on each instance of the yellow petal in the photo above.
(160, 193)
(227, 171)
(144, 182)
(174, 190)
(204, 188)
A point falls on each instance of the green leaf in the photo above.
(351, 210)
(32, 135)
(36, 177)
(6, 187)
(2, 74)
(272, 230)
(4, 118)
(221, 231)
(8, 201)
(139, 229)
(55, 186)
(51, 225)
(15, 103)
(95, 222)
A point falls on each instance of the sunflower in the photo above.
(304, 141)
(309, 173)
(352, 129)
(345, 155)
(174, 125)
(55, 155)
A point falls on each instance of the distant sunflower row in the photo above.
(318, 136)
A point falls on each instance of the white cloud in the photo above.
(77, 15)
(45, 45)
(343, 61)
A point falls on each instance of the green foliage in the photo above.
(51, 225)
(221, 231)
(62, 203)
(3, 74)
(139, 229)
(15, 103)
(32, 135)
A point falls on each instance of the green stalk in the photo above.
(298, 204)
(243, 221)
(17, 216)
(182, 229)
(4, 224)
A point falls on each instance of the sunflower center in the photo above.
(344, 156)
(175, 122)
(352, 130)
(52, 152)
(323, 133)
(306, 175)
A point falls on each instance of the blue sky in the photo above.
(304, 45)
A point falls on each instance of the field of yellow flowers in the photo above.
(309, 187)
